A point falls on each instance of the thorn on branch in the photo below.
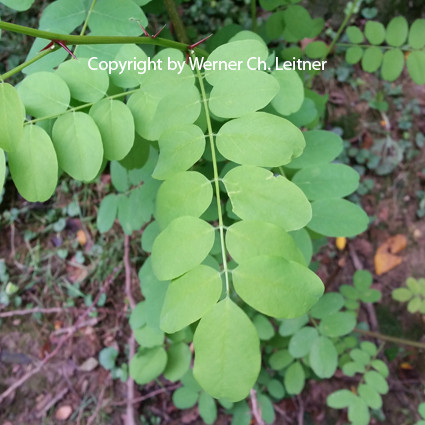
(60, 43)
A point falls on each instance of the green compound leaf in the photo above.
(290, 326)
(372, 59)
(149, 337)
(112, 18)
(280, 359)
(119, 177)
(61, 16)
(360, 356)
(189, 297)
(417, 34)
(2, 169)
(227, 352)
(337, 324)
(358, 412)
(299, 25)
(78, 145)
(276, 389)
(155, 114)
(323, 357)
(44, 93)
(187, 193)
(370, 396)
(316, 50)
(294, 379)
(237, 94)
(392, 64)
(179, 149)
(277, 287)
(247, 239)
(353, 54)
(12, 114)
(397, 31)
(19, 5)
(84, 83)
(107, 212)
(132, 74)
(125, 214)
(330, 303)
(179, 358)
(282, 202)
(321, 147)
(34, 166)
(291, 93)
(275, 25)
(362, 280)
(181, 246)
(330, 218)
(402, 294)
(354, 35)
(260, 139)
(107, 357)
(238, 51)
(303, 241)
(340, 399)
(375, 32)
(116, 126)
(327, 181)
(207, 408)
(416, 66)
(185, 398)
(138, 316)
(301, 342)
(264, 328)
(267, 409)
(148, 364)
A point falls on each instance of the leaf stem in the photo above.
(254, 15)
(389, 338)
(102, 39)
(27, 63)
(342, 27)
(216, 180)
(86, 22)
(77, 108)
(178, 25)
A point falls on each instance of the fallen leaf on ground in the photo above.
(385, 260)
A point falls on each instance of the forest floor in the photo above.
(73, 278)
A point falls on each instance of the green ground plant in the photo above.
(213, 166)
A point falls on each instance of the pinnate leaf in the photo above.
(277, 287)
(78, 145)
(12, 114)
(34, 166)
(227, 360)
(181, 246)
(260, 139)
(282, 202)
(189, 297)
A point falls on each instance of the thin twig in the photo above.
(256, 410)
(389, 338)
(60, 343)
(34, 310)
(147, 396)
(52, 402)
(93, 417)
(132, 344)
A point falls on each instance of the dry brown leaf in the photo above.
(385, 260)
(63, 413)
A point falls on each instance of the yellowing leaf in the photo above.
(81, 237)
(340, 243)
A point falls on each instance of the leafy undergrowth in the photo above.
(53, 257)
